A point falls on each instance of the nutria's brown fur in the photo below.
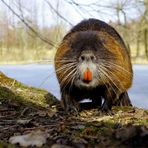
(115, 73)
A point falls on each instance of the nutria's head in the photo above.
(82, 64)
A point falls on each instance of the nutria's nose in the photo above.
(87, 57)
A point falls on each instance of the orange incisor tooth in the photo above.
(87, 75)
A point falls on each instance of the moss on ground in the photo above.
(11, 89)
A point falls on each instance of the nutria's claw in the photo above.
(72, 110)
(103, 112)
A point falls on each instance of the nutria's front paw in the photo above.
(105, 111)
(72, 110)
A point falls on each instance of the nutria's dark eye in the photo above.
(92, 58)
(82, 58)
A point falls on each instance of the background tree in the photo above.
(25, 24)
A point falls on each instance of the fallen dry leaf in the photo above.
(23, 121)
(35, 138)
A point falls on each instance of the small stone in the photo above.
(23, 121)
(35, 138)
(78, 127)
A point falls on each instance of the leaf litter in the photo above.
(47, 125)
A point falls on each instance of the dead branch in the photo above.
(29, 26)
(62, 17)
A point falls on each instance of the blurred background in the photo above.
(30, 31)
(37, 26)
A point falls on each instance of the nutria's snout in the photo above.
(87, 70)
(87, 56)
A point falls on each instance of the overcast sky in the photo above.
(47, 17)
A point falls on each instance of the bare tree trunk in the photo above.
(145, 42)
(138, 45)
(118, 17)
(1, 48)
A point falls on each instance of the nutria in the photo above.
(93, 62)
